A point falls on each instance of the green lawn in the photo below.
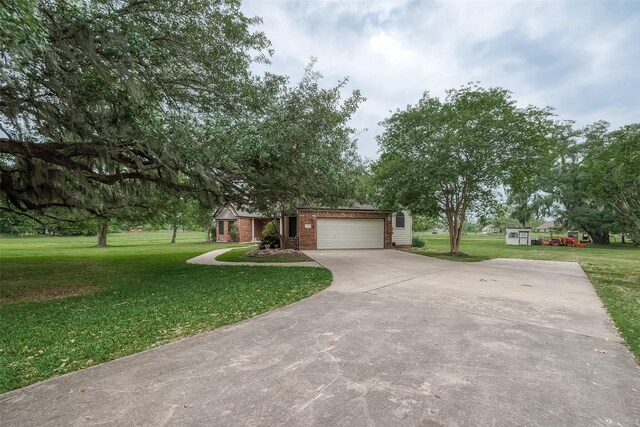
(614, 271)
(238, 255)
(66, 304)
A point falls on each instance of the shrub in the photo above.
(270, 237)
(234, 234)
(418, 242)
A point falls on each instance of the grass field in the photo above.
(66, 304)
(614, 271)
(238, 255)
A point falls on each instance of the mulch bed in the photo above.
(276, 253)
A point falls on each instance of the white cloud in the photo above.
(582, 58)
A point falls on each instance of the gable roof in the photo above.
(247, 214)
(231, 213)
(225, 213)
(548, 224)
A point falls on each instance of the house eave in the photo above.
(345, 209)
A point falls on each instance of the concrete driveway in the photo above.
(398, 339)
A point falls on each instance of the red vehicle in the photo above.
(562, 241)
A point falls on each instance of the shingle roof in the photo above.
(247, 214)
(230, 212)
(545, 225)
(356, 207)
(225, 213)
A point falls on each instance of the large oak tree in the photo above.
(101, 99)
(595, 182)
(614, 173)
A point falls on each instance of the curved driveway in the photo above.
(398, 339)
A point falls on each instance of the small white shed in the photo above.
(518, 236)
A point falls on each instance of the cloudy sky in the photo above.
(582, 58)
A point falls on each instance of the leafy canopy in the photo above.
(301, 151)
(613, 179)
(101, 98)
(447, 157)
(568, 182)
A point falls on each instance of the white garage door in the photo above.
(336, 233)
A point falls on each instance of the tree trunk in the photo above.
(456, 226)
(208, 231)
(622, 236)
(175, 232)
(453, 241)
(599, 237)
(103, 227)
(455, 232)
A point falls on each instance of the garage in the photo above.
(350, 233)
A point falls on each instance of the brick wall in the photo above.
(222, 238)
(244, 229)
(307, 237)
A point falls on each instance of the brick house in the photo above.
(546, 227)
(357, 227)
(250, 224)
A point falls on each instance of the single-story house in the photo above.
(356, 227)
(490, 229)
(546, 227)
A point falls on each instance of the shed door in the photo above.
(523, 238)
(334, 233)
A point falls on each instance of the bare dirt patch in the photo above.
(45, 294)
